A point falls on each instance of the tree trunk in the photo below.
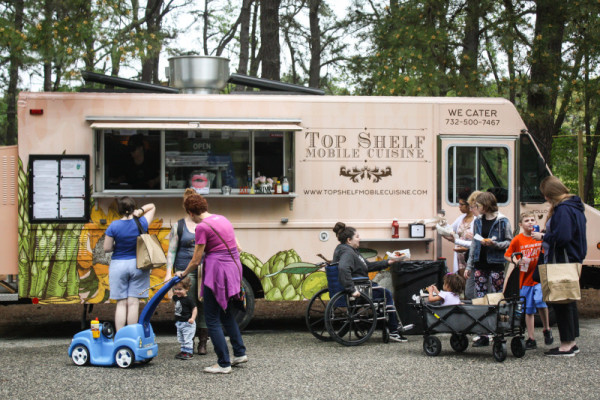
(269, 39)
(47, 63)
(254, 57)
(470, 53)
(545, 72)
(314, 71)
(153, 23)
(509, 48)
(13, 79)
(244, 39)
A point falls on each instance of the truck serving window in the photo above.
(481, 168)
(206, 159)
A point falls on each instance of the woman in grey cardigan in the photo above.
(352, 265)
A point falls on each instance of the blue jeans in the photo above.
(185, 335)
(378, 292)
(215, 316)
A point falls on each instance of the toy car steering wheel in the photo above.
(107, 330)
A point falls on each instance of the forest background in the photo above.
(542, 55)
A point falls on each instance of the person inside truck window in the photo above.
(143, 171)
(491, 237)
(352, 265)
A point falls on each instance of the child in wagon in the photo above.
(454, 285)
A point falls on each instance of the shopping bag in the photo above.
(560, 282)
(148, 252)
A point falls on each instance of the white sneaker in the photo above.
(239, 360)
(217, 369)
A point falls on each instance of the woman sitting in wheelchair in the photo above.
(352, 265)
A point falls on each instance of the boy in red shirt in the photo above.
(532, 291)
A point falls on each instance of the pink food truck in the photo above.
(283, 167)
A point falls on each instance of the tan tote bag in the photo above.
(149, 253)
(560, 282)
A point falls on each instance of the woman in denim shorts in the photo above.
(127, 283)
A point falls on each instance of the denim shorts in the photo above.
(127, 281)
(533, 298)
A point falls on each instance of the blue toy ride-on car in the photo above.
(133, 343)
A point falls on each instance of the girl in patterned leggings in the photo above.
(486, 255)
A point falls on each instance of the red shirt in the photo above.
(530, 249)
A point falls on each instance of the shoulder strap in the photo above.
(222, 240)
(139, 225)
(180, 225)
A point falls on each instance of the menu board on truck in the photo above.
(58, 188)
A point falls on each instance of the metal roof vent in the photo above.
(198, 74)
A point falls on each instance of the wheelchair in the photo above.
(332, 314)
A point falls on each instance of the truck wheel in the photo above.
(244, 318)
(80, 355)
(124, 357)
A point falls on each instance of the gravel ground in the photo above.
(293, 364)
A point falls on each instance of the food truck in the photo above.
(284, 168)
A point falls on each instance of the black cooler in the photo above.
(408, 278)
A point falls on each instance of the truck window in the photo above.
(532, 169)
(478, 168)
(204, 159)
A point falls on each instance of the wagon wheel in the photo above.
(459, 342)
(350, 323)
(499, 350)
(517, 346)
(432, 345)
(315, 315)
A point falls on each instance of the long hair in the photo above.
(555, 191)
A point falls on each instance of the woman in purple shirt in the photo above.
(221, 280)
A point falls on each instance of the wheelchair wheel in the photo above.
(458, 342)
(315, 315)
(432, 345)
(517, 346)
(350, 323)
(499, 350)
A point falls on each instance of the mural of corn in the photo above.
(47, 255)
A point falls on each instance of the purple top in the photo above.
(220, 273)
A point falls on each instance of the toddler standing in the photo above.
(185, 318)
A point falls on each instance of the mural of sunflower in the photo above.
(92, 262)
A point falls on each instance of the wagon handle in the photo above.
(513, 255)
